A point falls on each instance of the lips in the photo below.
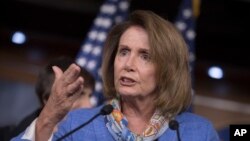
(127, 81)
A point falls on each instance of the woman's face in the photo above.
(134, 70)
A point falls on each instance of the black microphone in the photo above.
(174, 125)
(107, 109)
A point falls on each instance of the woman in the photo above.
(146, 79)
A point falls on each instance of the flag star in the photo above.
(187, 13)
(93, 100)
(123, 5)
(91, 65)
(101, 36)
(106, 22)
(98, 21)
(181, 25)
(97, 50)
(109, 9)
(87, 48)
(81, 61)
(191, 57)
(98, 86)
(99, 72)
(92, 35)
(103, 22)
(190, 34)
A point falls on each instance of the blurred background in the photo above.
(53, 28)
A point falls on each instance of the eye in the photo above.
(123, 51)
(145, 56)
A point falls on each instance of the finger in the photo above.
(74, 86)
(71, 74)
(57, 71)
(77, 94)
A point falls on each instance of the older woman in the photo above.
(146, 79)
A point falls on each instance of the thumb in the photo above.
(57, 71)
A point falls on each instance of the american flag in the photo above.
(185, 22)
(111, 12)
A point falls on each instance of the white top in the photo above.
(30, 131)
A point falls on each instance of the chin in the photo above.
(127, 93)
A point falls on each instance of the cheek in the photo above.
(150, 77)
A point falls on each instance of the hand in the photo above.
(65, 90)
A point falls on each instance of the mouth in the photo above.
(126, 81)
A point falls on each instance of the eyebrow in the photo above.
(142, 50)
(123, 46)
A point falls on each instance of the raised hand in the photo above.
(66, 88)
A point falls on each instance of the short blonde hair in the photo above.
(169, 53)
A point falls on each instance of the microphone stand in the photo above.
(107, 109)
(178, 135)
(174, 125)
(77, 128)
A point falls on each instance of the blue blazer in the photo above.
(192, 128)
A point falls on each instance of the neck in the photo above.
(138, 113)
(137, 107)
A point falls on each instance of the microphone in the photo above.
(107, 109)
(174, 125)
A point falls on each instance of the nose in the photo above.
(130, 64)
